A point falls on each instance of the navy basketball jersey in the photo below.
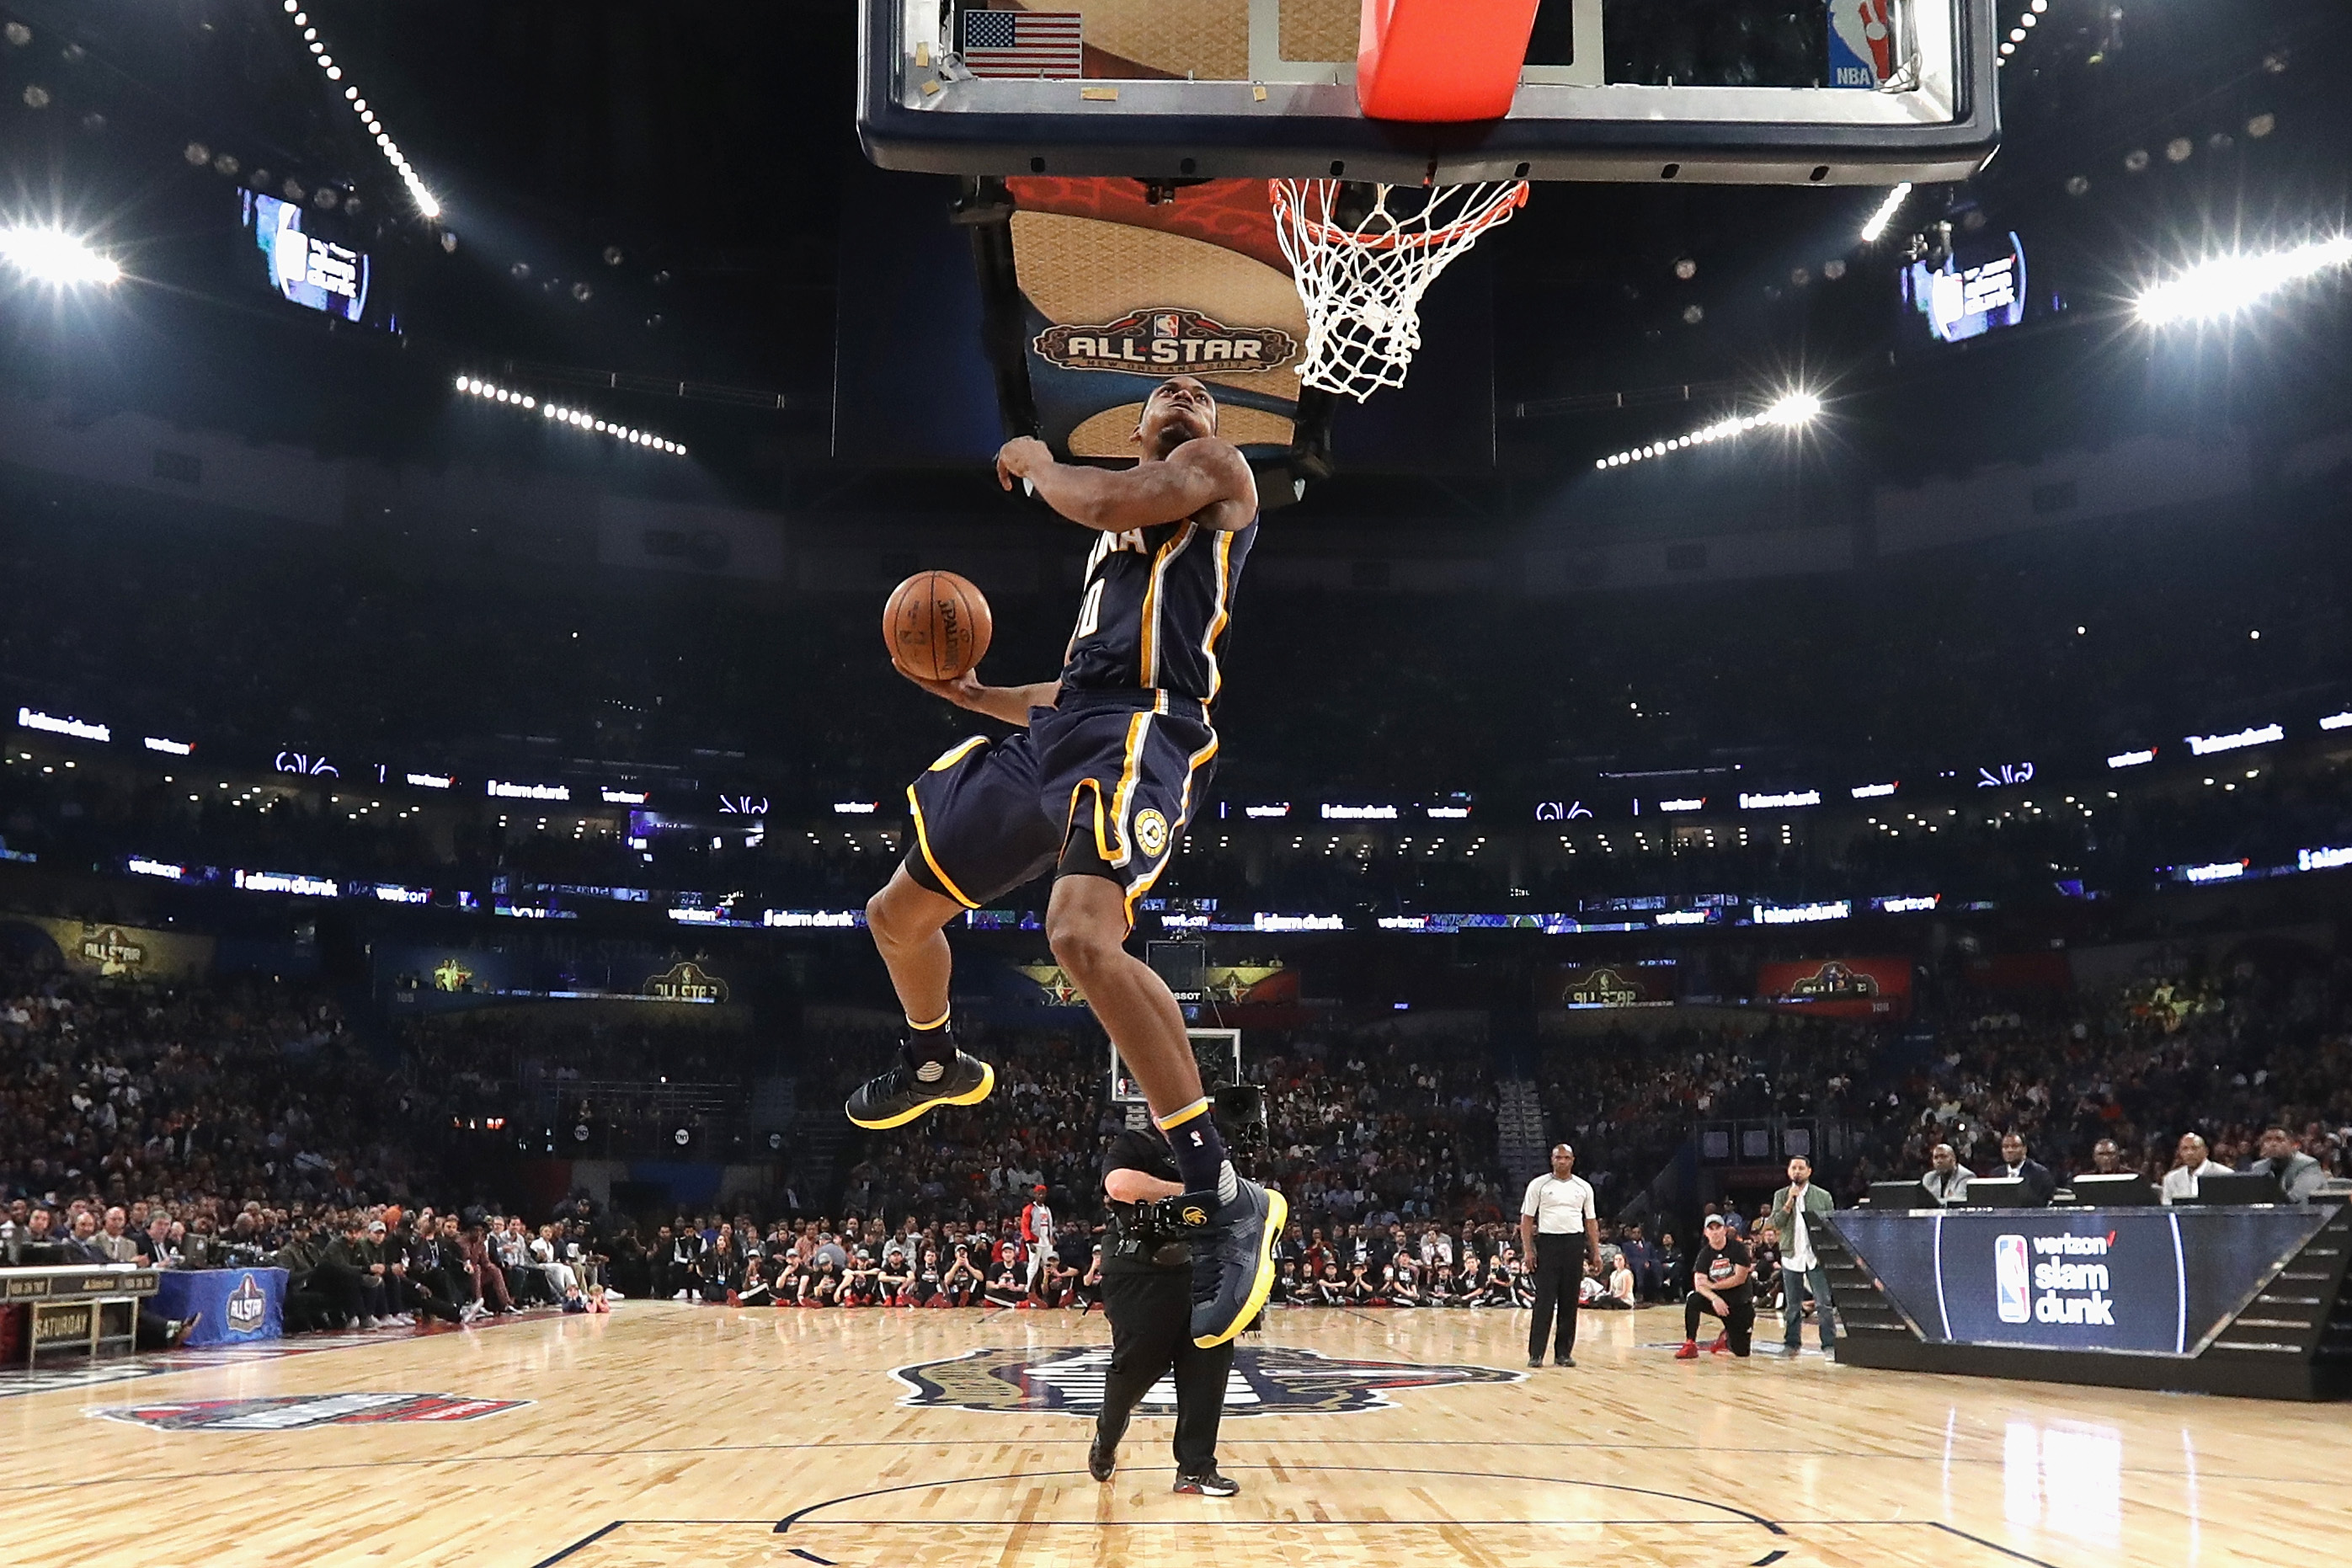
(1156, 607)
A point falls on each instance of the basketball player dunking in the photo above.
(1097, 789)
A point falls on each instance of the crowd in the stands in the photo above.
(238, 1122)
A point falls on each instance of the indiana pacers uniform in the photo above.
(1103, 783)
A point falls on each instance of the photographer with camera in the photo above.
(1147, 1295)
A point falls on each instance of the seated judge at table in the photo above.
(1946, 1180)
(2040, 1185)
(2190, 1162)
(2106, 1159)
(2299, 1176)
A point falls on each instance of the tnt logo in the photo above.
(2012, 1280)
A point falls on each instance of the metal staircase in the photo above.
(1520, 1140)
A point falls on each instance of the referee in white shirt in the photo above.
(1557, 1209)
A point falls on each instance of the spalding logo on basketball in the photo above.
(1271, 1380)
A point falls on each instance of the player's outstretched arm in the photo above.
(1207, 480)
(1009, 703)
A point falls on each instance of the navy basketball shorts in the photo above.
(1092, 788)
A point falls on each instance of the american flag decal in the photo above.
(1024, 44)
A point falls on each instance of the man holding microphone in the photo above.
(1557, 1233)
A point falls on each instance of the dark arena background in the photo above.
(1832, 644)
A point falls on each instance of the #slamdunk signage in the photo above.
(1268, 1380)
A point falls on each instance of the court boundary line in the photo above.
(785, 1524)
(477, 1459)
(593, 1537)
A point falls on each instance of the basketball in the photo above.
(936, 625)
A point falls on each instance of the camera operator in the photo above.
(1147, 1295)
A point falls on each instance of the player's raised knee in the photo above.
(1081, 944)
(882, 917)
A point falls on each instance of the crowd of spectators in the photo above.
(116, 1090)
(240, 1122)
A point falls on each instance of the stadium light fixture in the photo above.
(579, 419)
(53, 257)
(1885, 214)
(2229, 284)
(325, 60)
(1790, 412)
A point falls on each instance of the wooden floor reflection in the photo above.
(668, 1435)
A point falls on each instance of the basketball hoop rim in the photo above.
(1280, 197)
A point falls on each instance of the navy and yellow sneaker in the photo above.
(1233, 1258)
(897, 1097)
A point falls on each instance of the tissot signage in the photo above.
(1160, 339)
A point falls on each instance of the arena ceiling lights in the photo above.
(578, 419)
(1885, 214)
(1792, 411)
(53, 257)
(2026, 22)
(2226, 285)
(425, 204)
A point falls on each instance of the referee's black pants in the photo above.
(1559, 1274)
(1152, 1332)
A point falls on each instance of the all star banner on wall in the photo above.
(1838, 987)
(103, 948)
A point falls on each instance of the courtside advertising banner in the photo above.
(2139, 1281)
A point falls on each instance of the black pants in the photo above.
(1152, 1332)
(1559, 1273)
(1739, 1319)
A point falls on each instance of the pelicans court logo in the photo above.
(289, 1412)
(1270, 1380)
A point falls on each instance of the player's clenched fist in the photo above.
(1019, 457)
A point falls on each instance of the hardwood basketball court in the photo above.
(673, 1435)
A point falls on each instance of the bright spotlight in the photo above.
(1886, 213)
(2229, 284)
(46, 256)
(1797, 408)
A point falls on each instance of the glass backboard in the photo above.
(1713, 92)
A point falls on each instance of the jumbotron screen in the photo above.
(305, 268)
(1979, 288)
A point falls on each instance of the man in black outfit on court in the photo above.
(1147, 1295)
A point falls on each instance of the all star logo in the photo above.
(1269, 1380)
(1164, 339)
(291, 1412)
(249, 1306)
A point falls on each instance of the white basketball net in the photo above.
(1362, 282)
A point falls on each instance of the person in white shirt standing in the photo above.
(2190, 1161)
(1796, 1209)
(1556, 1230)
(1037, 1236)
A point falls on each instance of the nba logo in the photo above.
(1861, 43)
(2010, 1277)
(1167, 324)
